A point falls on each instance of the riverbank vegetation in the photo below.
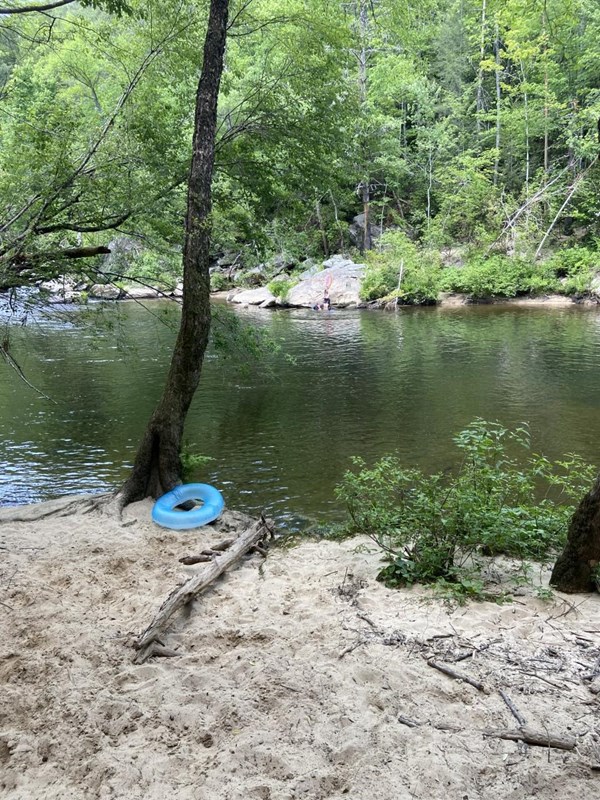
(415, 275)
(460, 137)
(441, 528)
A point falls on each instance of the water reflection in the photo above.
(343, 383)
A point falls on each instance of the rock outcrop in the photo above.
(341, 275)
(253, 297)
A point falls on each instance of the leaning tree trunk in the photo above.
(157, 466)
(576, 568)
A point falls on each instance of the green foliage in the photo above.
(499, 276)
(445, 152)
(191, 462)
(575, 267)
(160, 269)
(402, 269)
(438, 527)
(280, 287)
(218, 282)
(231, 336)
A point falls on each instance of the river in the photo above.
(281, 431)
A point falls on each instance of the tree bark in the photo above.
(365, 189)
(157, 466)
(575, 568)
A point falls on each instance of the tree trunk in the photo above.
(157, 466)
(479, 99)
(363, 20)
(575, 568)
(498, 104)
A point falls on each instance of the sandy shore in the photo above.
(297, 678)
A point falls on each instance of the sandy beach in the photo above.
(298, 676)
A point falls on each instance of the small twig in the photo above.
(189, 560)
(457, 675)
(471, 653)
(410, 723)
(512, 708)
(351, 647)
(540, 678)
(364, 617)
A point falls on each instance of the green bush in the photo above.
(280, 287)
(218, 282)
(499, 276)
(421, 271)
(574, 267)
(436, 527)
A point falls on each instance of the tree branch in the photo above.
(30, 9)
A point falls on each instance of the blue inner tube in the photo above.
(164, 513)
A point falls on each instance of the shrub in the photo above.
(280, 287)
(437, 527)
(575, 267)
(218, 282)
(421, 271)
(499, 276)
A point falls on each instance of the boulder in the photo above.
(356, 231)
(61, 290)
(595, 285)
(280, 263)
(309, 268)
(138, 292)
(253, 277)
(344, 278)
(227, 260)
(105, 291)
(253, 297)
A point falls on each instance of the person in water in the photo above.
(326, 300)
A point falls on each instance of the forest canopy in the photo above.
(456, 123)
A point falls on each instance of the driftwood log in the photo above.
(536, 738)
(148, 644)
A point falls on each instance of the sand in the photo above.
(296, 676)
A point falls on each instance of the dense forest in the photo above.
(464, 132)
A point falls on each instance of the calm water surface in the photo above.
(282, 433)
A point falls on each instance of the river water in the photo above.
(281, 431)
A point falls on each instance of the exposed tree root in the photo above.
(60, 507)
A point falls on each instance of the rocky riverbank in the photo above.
(284, 284)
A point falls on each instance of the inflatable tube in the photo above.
(164, 513)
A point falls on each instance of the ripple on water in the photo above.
(281, 434)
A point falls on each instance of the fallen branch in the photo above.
(208, 555)
(574, 186)
(472, 653)
(191, 588)
(410, 723)
(535, 738)
(457, 675)
(512, 708)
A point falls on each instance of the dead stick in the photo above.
(190, 560)
(410, 723)
(472, 653)
(447, 671)
(536, 738)
(192, 587)
(512, 708)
